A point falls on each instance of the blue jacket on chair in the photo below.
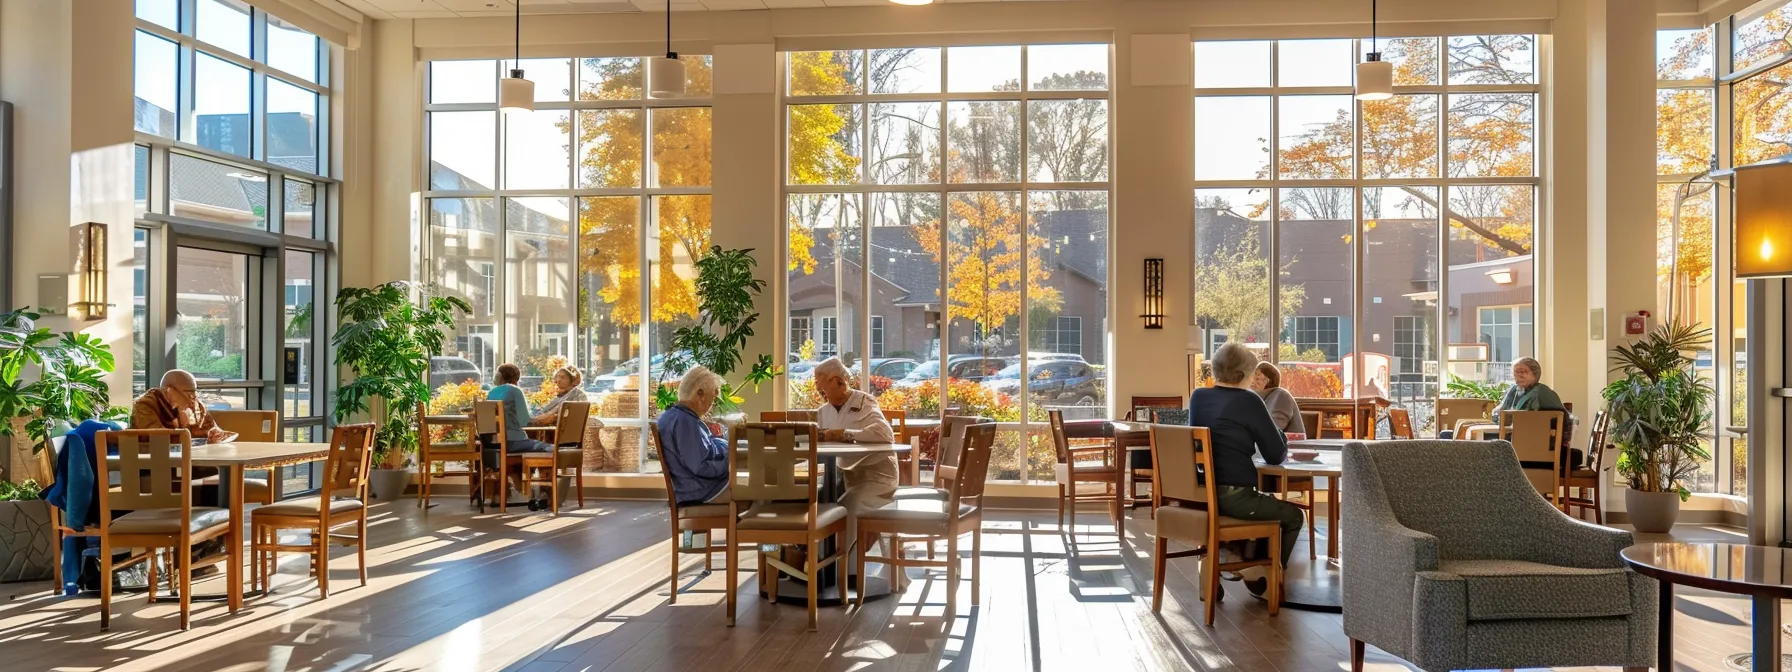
(76, 491)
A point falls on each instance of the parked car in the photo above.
(965, 367)
(623, 376)
(1037, 356)
(1060, 382)
(453, 371)
(894, 368)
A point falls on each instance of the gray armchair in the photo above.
(1453, 561)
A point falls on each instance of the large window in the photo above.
(983, 170)
(1345, 239)
(1720, 103)
(573, 230)
(232, 113)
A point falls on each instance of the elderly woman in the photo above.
(1267, 382)
(1242, 427)
(1527, 393)
(692, 453)
(567, 381)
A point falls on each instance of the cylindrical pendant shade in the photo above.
(1374, 79)
(1762, 238)
(668, 78)
(516, 94)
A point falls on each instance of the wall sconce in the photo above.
(1762, 240)
(1500, 276)
(91, 295)
(1154, 294)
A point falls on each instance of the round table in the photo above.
(832, 591)
(1760, 572)
(1315, 586)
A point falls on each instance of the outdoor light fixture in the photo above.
(1154, 294)
(1763, 235)
(91, 299)
(516, 94)
(1374, 77)
(1501, 276)
(667, 73)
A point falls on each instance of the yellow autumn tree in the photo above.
(983, 254)
(612, 154)
(820, 136)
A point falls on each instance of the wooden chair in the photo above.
(1587, 477)
(1400, 423)
(1451, 414)
(262, 426)
(160, 513)
(1310, 421)
(568, 441)
(59, 528)
(429, 453)
(931, 520)
(907, 466)
(488, 421)
(1537, 436)
(952, 430)
(704, 518)
(1140, 466)
(342, 501)
(1184, 494)
(783, 511)
(1099, 465)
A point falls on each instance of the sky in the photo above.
(221, 86)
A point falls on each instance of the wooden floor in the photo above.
(587, 591)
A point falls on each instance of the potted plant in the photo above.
(388, 334)
(48, 382)
(1659, 414)
(726, 290)
(1461, 388)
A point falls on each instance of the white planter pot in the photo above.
(388, 484)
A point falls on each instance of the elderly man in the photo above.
(175, 405)
(692, 453)
(851, 415)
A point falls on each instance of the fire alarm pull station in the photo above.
(1636, 324)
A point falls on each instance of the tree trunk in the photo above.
(22, 463)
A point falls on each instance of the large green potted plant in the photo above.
(387, 335)
(1463, 388)
(48, 382)
(725, 292)
(1660, 415)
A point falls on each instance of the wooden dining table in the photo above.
(232, 460)
(832, 591)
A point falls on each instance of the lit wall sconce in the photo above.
(1763, 235)
(91, 295)
(1154, 294)
(1501, 276)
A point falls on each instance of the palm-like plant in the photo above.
(1462, 388)
(1661, 411)
(386, 338)
(70, 383)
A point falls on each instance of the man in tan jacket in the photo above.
(175, 405)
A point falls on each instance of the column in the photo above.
(745, 208)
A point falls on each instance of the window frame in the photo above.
(1275, 185)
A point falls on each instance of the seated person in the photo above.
(692, 453)
(1267, 381)
(567, 387)
(1527, 392)
(175, 405)
(516, 416)
(1241, 427)
(852, 415)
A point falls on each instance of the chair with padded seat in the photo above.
(1586, 476)
(951, 441)
(770, 505)
(1458, 563)
(1455, 414)
(431, 452)
(1536, 436)
(1085, 465)
(568, 441)
(150, 509)
(697, 518)
(488, 424)
(260, 426)
(1400, 424)
(341, 502)
(1183, 494)
(933, 520)
(908, 465)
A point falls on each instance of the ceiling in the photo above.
(448, 9)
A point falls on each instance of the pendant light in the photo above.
(1374, 77)
(516, 94)
(667, 73)
(912, 2)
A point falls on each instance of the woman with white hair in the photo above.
(690, 450)
(1241, 427)
(567, 381)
